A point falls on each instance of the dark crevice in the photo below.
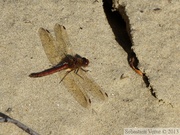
(119, 22)
(118, 26)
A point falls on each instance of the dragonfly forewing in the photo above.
(78, 93)
(90, 85)
(63, 44)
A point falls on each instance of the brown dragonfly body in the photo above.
(69, 62)
(57, 51)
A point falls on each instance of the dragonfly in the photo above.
(62, 59)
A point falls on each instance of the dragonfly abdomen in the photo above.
(49, 71)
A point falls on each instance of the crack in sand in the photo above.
(119, 22)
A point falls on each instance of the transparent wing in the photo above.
(62, 39)
(55, 51)
(90, 85)
(48, 44)
(73, 79)
(77, 92)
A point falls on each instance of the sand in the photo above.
(48, 108)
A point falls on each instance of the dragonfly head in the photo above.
(85, 62)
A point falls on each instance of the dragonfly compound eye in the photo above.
(85, 61)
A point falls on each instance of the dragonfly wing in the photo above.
(90, 85)
(63, 43)
(77, 92)
(62, 46)
(48, 44)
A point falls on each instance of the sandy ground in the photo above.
(48, 108)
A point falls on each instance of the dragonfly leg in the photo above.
(65, 75)
(76, 72)
(84, 70)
